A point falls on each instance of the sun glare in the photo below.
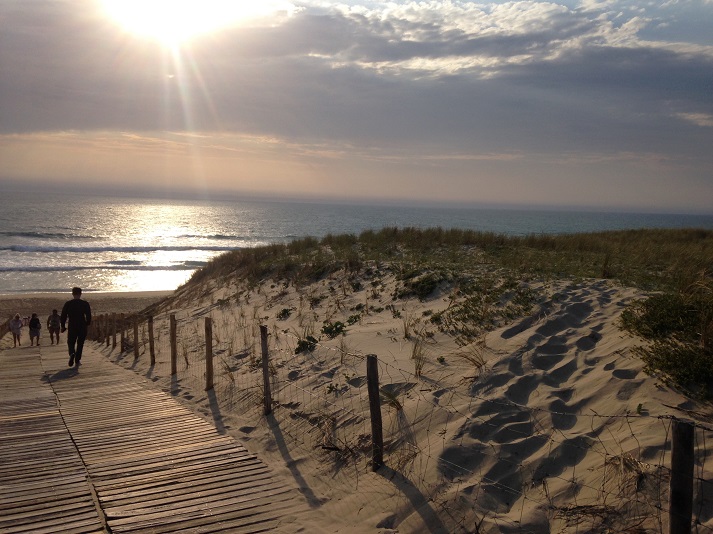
(174, 21)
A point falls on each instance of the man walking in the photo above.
(80, 317)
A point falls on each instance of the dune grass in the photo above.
(649, 259)
(486, 271)
(678, 326)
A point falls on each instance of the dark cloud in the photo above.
(544, 78)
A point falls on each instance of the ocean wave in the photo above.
(217, 237)
(124, 262)
(186, 266)
(46, 235)
(169, 248)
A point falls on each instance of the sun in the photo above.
(174, 21)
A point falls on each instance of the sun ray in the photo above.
(174, 21)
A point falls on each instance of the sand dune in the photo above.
(546, 424)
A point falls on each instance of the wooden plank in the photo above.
(198, 516)
(156, 477)
(142, 490)
(94, 445)
(194, 500)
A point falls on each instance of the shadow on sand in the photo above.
(419, 503)
(303, 487)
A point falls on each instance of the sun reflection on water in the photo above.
(158, 239)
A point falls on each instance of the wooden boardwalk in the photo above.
(98, 450)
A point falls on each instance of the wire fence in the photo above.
(467, 457)
(5, 327)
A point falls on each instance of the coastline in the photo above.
(102, 302)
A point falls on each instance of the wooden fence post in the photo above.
(136, 337)
(121, 330)
(174, 345)
(265, 369)
(377, 433)
(107, 330)
(681, 487)
(113, 330)
(208, 354)
(97, 330)
(152, 350)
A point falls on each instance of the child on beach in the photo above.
(16, 328)
(53, 325)
(35, 327)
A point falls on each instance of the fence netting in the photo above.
(467, 458)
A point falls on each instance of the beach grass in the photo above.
(652, 259)
(484, 275)
(490, 348)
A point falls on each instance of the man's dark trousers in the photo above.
(76, 336)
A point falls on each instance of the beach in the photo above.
(114, 244)
(43, 303)
(507, 402)
(546, 423)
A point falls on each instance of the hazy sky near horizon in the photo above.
(595, 103)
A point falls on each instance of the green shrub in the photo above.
(684, 364)
(662, 316)
(308, 344)
(332, 330)
(679, 327)
(419, 286)
(283, 314)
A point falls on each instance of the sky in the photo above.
(604, 104)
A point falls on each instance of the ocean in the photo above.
(49, 243)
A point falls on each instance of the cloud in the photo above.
(438, 82)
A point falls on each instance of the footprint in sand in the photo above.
(545, 362)
(563, 416)
(605, 298)
(467, 457)
(588, 342)
(554, 345)
(523, 448)
(521, 390)
(571, 316)
(551, 327)
(564, 394)
(494, 380)
(502, 427)
(515, 365)
(500, 495)
(519, 327)
(628, 389)
(625, 374)
(489, 407)
(579, 310)
(293, 375)
(567, 454)
(556, 377)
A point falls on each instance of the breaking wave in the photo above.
(169, 248)
(185, 266)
